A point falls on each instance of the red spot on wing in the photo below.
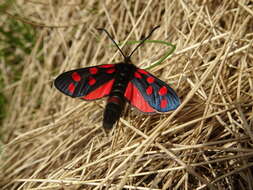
(137, 75)
(93, 70)
(100, 92)
(163, 91)
(106, 66)
(150, 80)
(110, 71)
(149, 90)
(91, 81)
(71, 87)
(135, 98)
(142, 71)
(75, 76)
(164, 103)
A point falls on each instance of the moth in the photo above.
(121, 82)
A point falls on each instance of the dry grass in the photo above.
(55, 142)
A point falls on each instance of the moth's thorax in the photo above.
(125, 72)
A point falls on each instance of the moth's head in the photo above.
(128, 60)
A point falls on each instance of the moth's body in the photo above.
(116, 100)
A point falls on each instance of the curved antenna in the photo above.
(102, 29)
(143, 41)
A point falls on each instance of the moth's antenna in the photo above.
(102, 29)
(128, 57)
(143, 41)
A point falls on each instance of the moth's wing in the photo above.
(87, 83)
(149, 94)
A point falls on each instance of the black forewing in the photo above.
(159, 95)
(82, 82)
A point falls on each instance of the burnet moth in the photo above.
(122, 82)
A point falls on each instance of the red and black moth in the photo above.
(122, 82)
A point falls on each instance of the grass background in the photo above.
(50, 141)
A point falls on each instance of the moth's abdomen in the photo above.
(112, 112)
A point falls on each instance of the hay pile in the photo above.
(54, 142)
